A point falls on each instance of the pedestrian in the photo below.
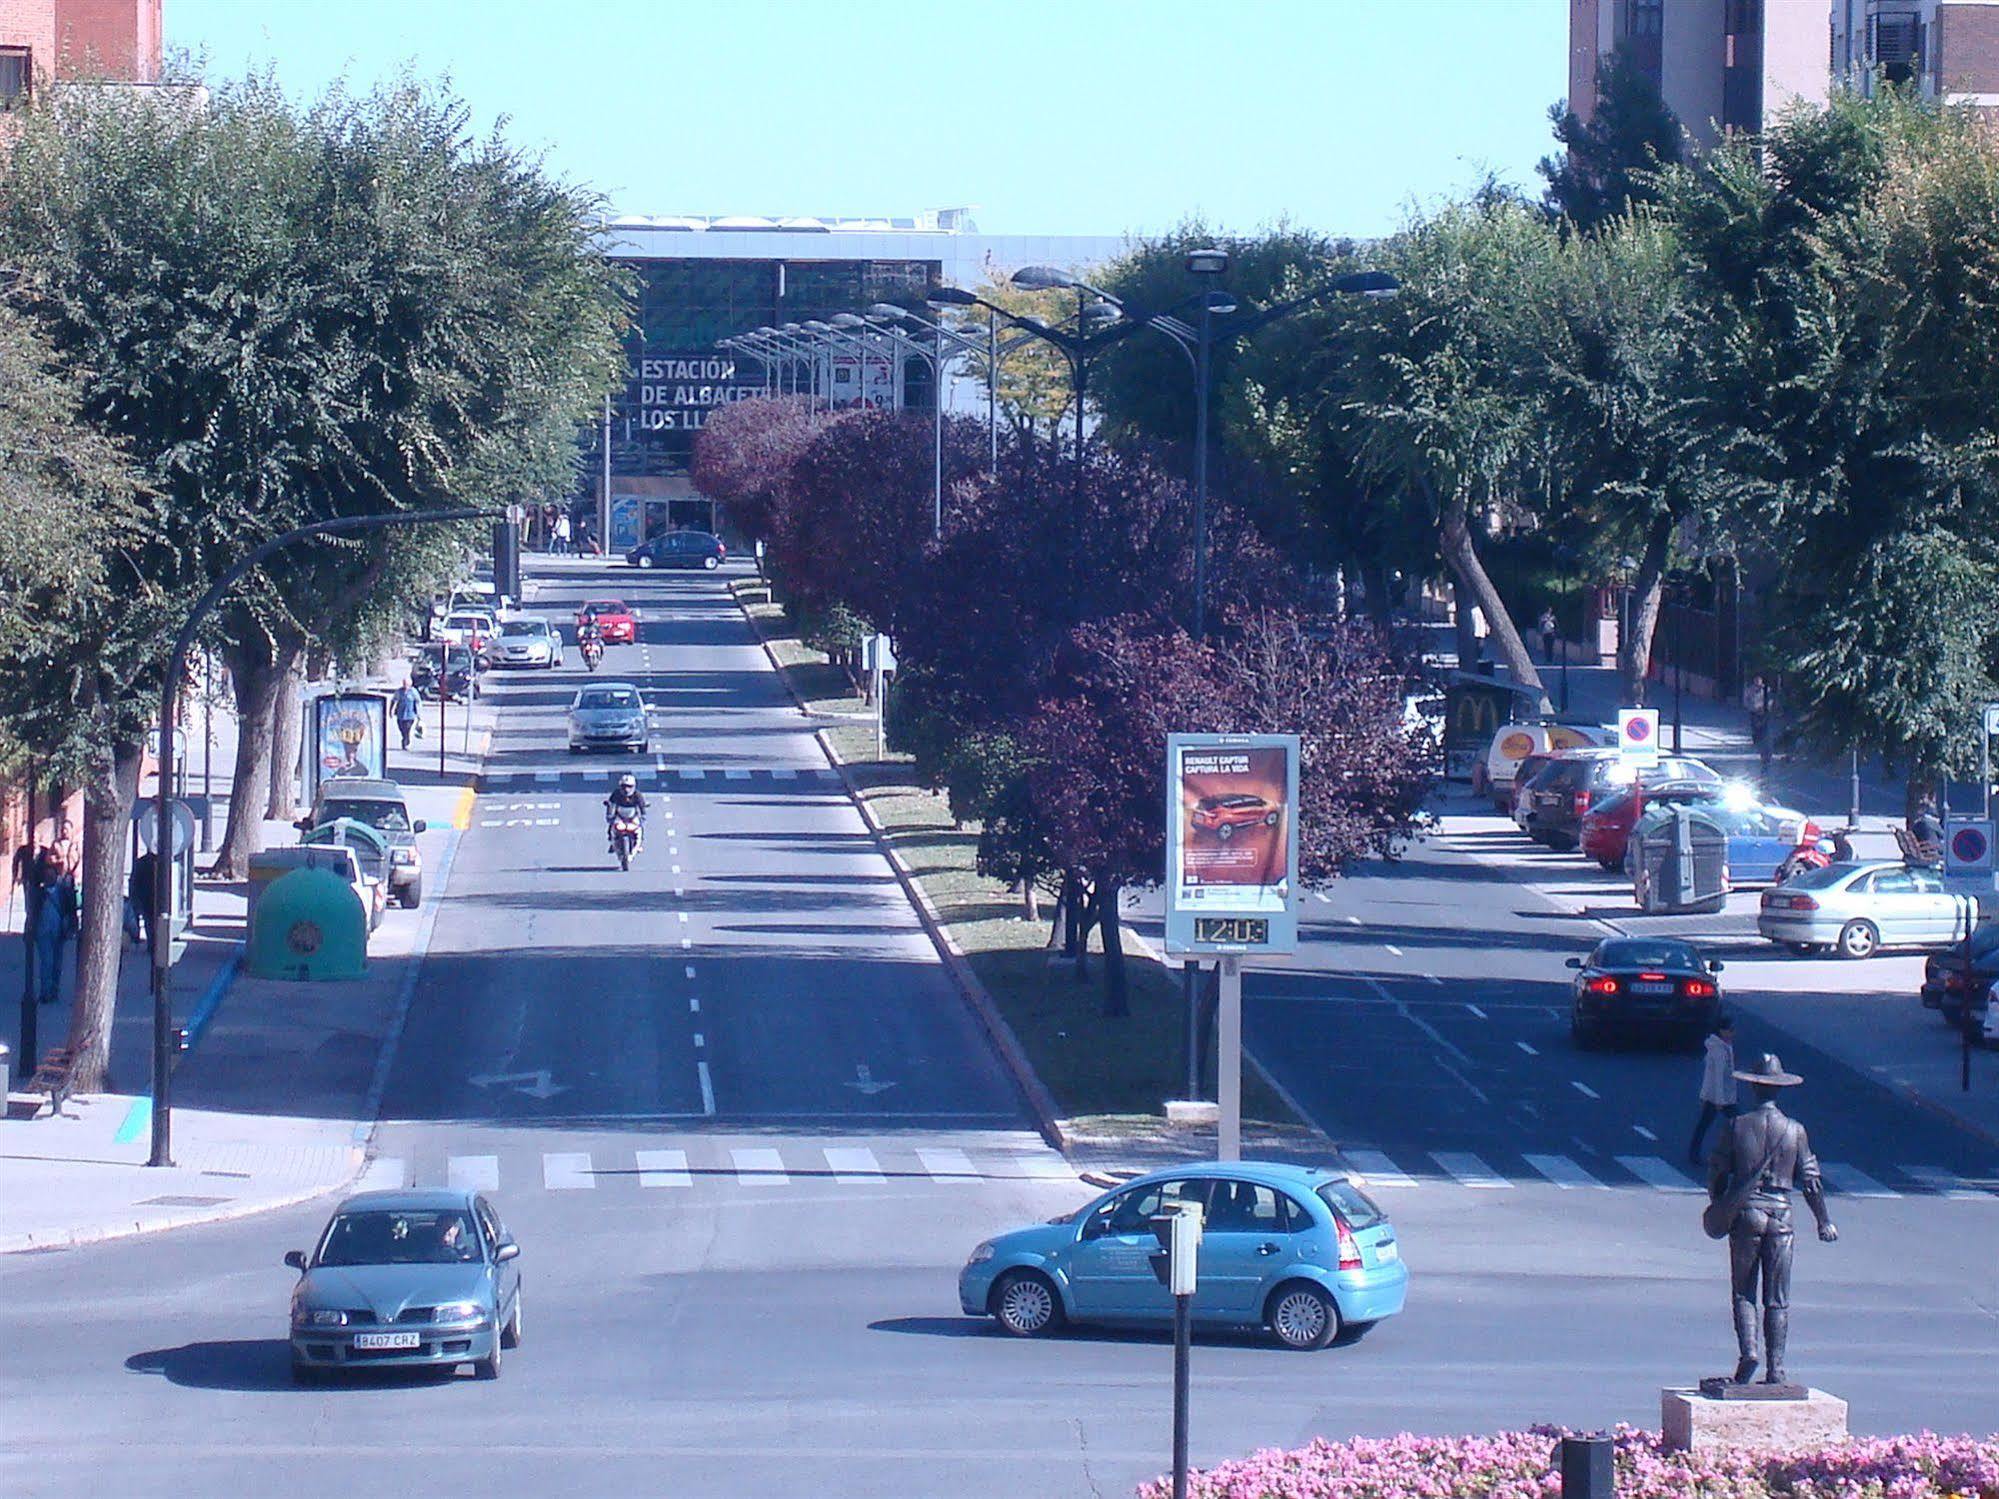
(1549, 629)
(139, 896)
(1717, 1091)
(407, 706)
(1757, 700)
(562, 534)
(55, 923)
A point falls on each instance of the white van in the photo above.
(1514, 742)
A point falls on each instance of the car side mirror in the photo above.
(295, 1258)
(508, 1250)
(419, 826)
(303, 824)
(1715, 965)
(1572, 963)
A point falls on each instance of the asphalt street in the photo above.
(745, 1132)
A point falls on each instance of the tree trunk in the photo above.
(107, 804)
(284, 745)
(1117, 998)
(1030, 900)
(1634, 654)
(257, 677)
(1075, 935)
(1455, 542)
(1374, 580)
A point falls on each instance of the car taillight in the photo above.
(1652, 978)
(1349, 1250)
(1601, 986)
(1803, 903)
(1697, 989)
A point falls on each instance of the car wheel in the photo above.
(510, 1335)
(645, 560)
(1025, 1304)
(1270, 819)
(1302, 1316)
(1858, 939)
(413, 895)
(1225, 832)
(711, 563)
(1610, 866)
(489, 1366)
(1562, 843)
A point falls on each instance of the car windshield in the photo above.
(603, 606)
(443, 1236)
(1821, 879)
(603, 698)
(524, 627)
(384, 817)
(1355, 1206)
(466, 622)
(1640, 953)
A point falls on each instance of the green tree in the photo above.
(1608, 164)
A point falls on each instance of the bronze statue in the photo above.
(1759, 1158)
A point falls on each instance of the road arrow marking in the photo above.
(864, 1082)
(535, 1084)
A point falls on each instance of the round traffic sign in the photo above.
(1637, 730)
(1967, 845)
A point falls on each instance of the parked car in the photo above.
(1954, 987)
(1649, 986)
(1301, 1251)
(472, 628)
(1520, 804)
(1858, 909)
(618, 624)
(608, 715)
(1568, 788)
(461, 673)
(1605, 833)
(1493, 774)
(527, 641)
(679, 549)
(1761, 836)
(402, 1279)
(360, 856)
(383, 807)
(1223, 815)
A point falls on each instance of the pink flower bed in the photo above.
(1520, 1465)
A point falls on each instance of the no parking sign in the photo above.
(1638, 736)
(1967, 847)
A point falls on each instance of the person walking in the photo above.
(55, 922)
(563, 532)
(1757, 700)
(1549, 629)
(407, 706)
(139, 894)
(1717, 1092)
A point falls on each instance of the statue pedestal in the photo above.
(1692, 1421)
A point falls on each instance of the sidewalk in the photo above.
(275, 1100)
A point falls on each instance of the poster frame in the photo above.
(1282, 934)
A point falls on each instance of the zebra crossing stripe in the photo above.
(1943, 1183)
(854, 1165)
(384, 1174)
(694, 775)
(473, 1173)
(1656, 1173)
(948, 1165)
(735, 775)
(1853, 1182)
(547, 777)
(1469, 1169)
(1562, 1171)
(663, 1168)
(1044, 1167)
(1379, 1170)
(567, 1170)
(781, 774)
(759, 1167)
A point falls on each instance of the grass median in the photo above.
(1109, 1077)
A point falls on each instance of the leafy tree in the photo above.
(1035, 390)
(743, 458)
(1608, 165)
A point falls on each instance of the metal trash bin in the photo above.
(1682, 861)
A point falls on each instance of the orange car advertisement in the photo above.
(1232, 802)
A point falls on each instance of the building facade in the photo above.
(1947, 49)
(701, 280)
(45, 41)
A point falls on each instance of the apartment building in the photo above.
(47, 40)
(1948, 49)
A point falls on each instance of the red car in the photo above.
(618, 624)
(1222, 815)
(1606, 827)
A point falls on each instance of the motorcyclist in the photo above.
(625, 800)
(590, 640)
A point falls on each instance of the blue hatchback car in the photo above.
(1299, 1250)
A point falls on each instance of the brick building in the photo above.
(48, 40)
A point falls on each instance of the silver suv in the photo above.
(381, 806)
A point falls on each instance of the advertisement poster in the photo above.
(1232, 842)
(350, 735)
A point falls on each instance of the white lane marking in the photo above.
(1656, 1173)
(707, 1088)
(854, 1165)
(679, 889)
(735, 775)
(1562, 1171)
(567, 1170)
(1322, 898)
(784, 775)
(1477, 1011)
(1645, 1132)
(659, 764)
(686, 941)
(473, 1173)
(1352, 920)
(1379, 1170)
(690, 970)
(547, 777)
(1585, 1089)
(1526, 1048)
(692, 774)
(1469, 1169)
(676, 869)
(1044, 1167)
(384, 1174)
(759, 1167)
(1943, 1183)
(683, 916)
(1853, 1182)
(1393, 948)
(1434, 979)
(663, 1168)
(1424, 1026)
(693, 1006)
(948, 1165)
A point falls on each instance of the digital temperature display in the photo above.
(1232, 931)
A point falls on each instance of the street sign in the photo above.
(1638, 736)
(1967, 847)
(1992, 720)
(180, 818)
(1231, 843)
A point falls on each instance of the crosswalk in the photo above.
(1412, 1169)
(705, 1163)
(690, 778)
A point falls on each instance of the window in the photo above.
(1352, 1204)
(1925, 882)
(1240, 1207)
(1894, 882)
(17, 75)
(1644, 17)
(1134, 1211)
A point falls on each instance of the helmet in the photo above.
(628, 782)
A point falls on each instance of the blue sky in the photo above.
(1052, 116)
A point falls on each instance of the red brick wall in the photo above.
(1968, 48)
(109, 38)
(30, 24)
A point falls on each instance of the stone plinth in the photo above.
(1692, 1421)
(1192, 1113)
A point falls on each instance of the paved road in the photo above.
(747, 1287)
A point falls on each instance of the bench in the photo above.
(1915, 850)
(53, 1078)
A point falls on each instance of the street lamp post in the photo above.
(164, 1044)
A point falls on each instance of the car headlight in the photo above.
(402, 856)
(981, 1254)
(323, 1316)
(458, 1311)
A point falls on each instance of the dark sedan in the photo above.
(1651, 986)
(679, 549)
(1953, 988)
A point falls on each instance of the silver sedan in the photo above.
(608, 715)
(403, 1279)
(1857, 909)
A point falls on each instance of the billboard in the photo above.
(350, 735)
(1231, 843)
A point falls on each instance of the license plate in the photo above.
(1387, 1254)
(1644, 988)
(387, 1340)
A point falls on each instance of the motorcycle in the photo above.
(593, 652)
(625, 837)
(1814, 853)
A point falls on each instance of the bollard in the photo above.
(6, 1074)
(1586, 1468)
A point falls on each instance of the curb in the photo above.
(1040, 1103)
(77, 1238)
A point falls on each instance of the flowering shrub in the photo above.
(1521, 1465)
